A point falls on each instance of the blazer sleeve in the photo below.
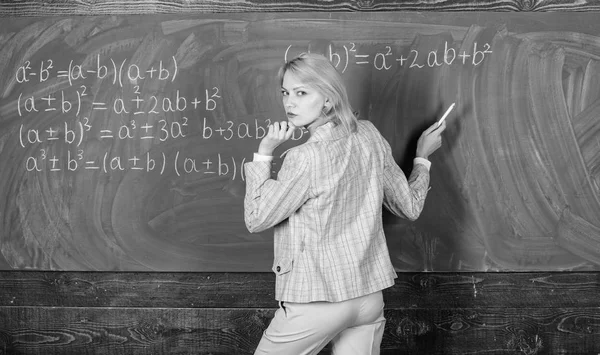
(270, 201)
(404, 198)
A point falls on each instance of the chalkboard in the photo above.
(123, 138)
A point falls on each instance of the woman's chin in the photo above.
(293, 121)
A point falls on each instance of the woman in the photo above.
(331, 259)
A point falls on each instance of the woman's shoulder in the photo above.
(299, 152)
(367, 127)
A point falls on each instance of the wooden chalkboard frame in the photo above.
(224, 313)
(124, 7)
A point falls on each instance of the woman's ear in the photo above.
(326, 107)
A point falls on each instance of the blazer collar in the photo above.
(328, 132)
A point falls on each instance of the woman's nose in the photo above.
(289, 103)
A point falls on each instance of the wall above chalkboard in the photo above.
(123, 138)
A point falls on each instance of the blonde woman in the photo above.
(331, 258)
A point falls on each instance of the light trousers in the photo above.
(354, 327)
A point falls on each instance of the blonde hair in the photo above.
(316, 71)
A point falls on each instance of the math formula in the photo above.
(386, 58)
(105, 114)
(83, 140)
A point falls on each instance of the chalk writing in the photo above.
(27, 72)
(152, 104)
(144, 121)
(219, 164)
(142, 116)
(230, 130)
(351, 54)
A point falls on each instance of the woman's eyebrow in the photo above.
(295, 88)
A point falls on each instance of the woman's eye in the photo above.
(300, 93)
(284, 93)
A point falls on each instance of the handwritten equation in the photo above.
(117, 71)
(180, 163)
(386, 59)
(137, 105)
(76, 135)
(73, 133)
(139, 116)
(72, 145)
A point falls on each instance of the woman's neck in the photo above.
(316, 124)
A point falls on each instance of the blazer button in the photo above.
(278, 268)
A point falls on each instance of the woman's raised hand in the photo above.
(278, 133)
(430, 140)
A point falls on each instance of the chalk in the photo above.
(446, 114)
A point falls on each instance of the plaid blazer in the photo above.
(326, 209)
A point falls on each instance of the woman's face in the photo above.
(303, 104)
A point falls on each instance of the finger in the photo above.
(431, 128)
(431, 131)
(438, 129)
(290, 132)
(283, 129)
(276, 130)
